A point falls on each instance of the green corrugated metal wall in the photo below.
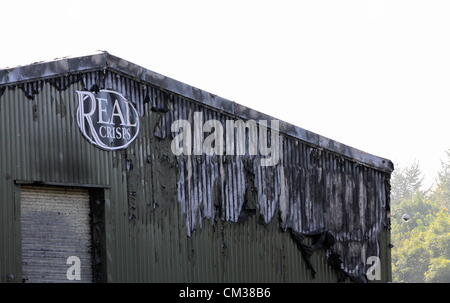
(145, 234)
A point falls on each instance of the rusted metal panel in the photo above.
(55, 225)
(191, 218)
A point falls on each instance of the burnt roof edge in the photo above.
(104, 60)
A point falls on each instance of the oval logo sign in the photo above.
(107, 119)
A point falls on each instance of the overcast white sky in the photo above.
(372, 74)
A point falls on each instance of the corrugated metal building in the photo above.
(87, 170)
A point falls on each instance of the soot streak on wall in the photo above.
(340, 204)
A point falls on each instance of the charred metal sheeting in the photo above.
(311, 189)
(328, 199)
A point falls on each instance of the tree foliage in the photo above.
(421, 250)
(406, 181)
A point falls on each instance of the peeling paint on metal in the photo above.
(313, 190)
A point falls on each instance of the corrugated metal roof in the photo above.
(106, 61)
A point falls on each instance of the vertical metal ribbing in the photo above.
(44, 145)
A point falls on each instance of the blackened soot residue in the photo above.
(335, 202)
(2, 90)
(63, 83)
(31, 89)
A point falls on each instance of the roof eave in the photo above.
(104, 60)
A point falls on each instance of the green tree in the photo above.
(421, 250)
(438, 236)
(411, 259)
(442, 191)
(439, 271)
(405, 181)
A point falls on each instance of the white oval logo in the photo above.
(107, 119)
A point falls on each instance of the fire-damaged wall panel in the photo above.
(316, 215)
(340, 204)
(56, 227)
